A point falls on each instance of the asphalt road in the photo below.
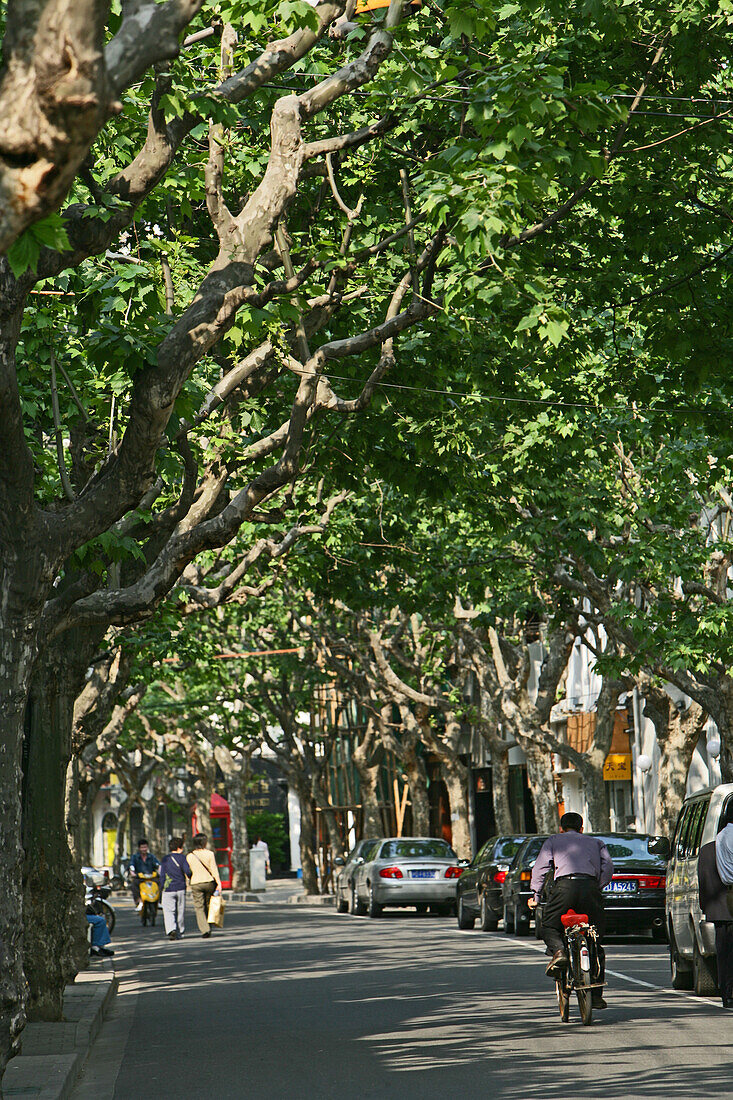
(289, 1001)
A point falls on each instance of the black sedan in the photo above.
(634, 899)
(479, 893)
(635, 896)
(516, 891)
(345, 879)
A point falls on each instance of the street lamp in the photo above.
(644, 764)
(713, 746)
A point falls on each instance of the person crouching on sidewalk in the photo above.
(205, 881)
(174, 870)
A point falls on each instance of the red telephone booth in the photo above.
(221, 840)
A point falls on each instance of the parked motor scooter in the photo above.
(149, 896)
(95, 898)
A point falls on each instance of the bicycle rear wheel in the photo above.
(585, 1004)
(582, 979)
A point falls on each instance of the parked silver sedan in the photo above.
(407, 871)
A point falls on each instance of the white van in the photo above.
(691, 937)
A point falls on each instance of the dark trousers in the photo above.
(135, 886)
(584, 895)
(724, 951)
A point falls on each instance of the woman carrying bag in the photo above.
(205, 881)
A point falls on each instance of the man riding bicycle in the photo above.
(582, 866)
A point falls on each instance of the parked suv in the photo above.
(691, 937)
(479, 888)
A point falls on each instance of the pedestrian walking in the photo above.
(205, 881)
(261, 845)
(174, 870)
(715, 881)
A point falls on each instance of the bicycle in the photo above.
(583, 973)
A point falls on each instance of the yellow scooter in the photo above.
(149, 896)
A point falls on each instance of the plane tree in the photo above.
(211, 247)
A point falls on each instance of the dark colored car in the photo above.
(635, 896)
(634, 899)
(345, 879)
(516, 890)
(479, 893)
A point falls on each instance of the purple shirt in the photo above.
(572, 854)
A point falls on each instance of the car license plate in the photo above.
(422, 874)
(627, 886)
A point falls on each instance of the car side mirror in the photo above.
(660, 846)
(339, 861)
(358, 860)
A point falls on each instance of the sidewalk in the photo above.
(282, 891)
(53, 1054)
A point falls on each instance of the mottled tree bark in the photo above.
(55, 932)
(417, 780)
(677, 732)
(456, 780)
(541, 779)
(500, 790)
(307, 840)
(368, 773)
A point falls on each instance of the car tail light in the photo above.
(525, 876)
(106, 875)
(652, 882)
(500, 876)
(454, 872)
(391, 872)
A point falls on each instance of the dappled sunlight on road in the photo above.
(408, 1006)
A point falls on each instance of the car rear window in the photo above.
(507, 847)
(530, 853)
(633, 849)
(416, 849)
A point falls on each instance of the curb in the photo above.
(327, 900)
(54, 1054)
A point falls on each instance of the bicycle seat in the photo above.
(571, 918)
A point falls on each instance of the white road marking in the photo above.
(701, 1002)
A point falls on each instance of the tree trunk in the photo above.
(55, 928)
(73, 810)
(417, 779)
(307, 841)
(368, 772)
(329, 816)
(372, 825)
(240, 836)
(203, 792)
(150, 806)
(456, 779)
(123, 817)
(677, 733)
(500, 790)
(596, 796)
(17, 652)
(723, 717)
(542, 787)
